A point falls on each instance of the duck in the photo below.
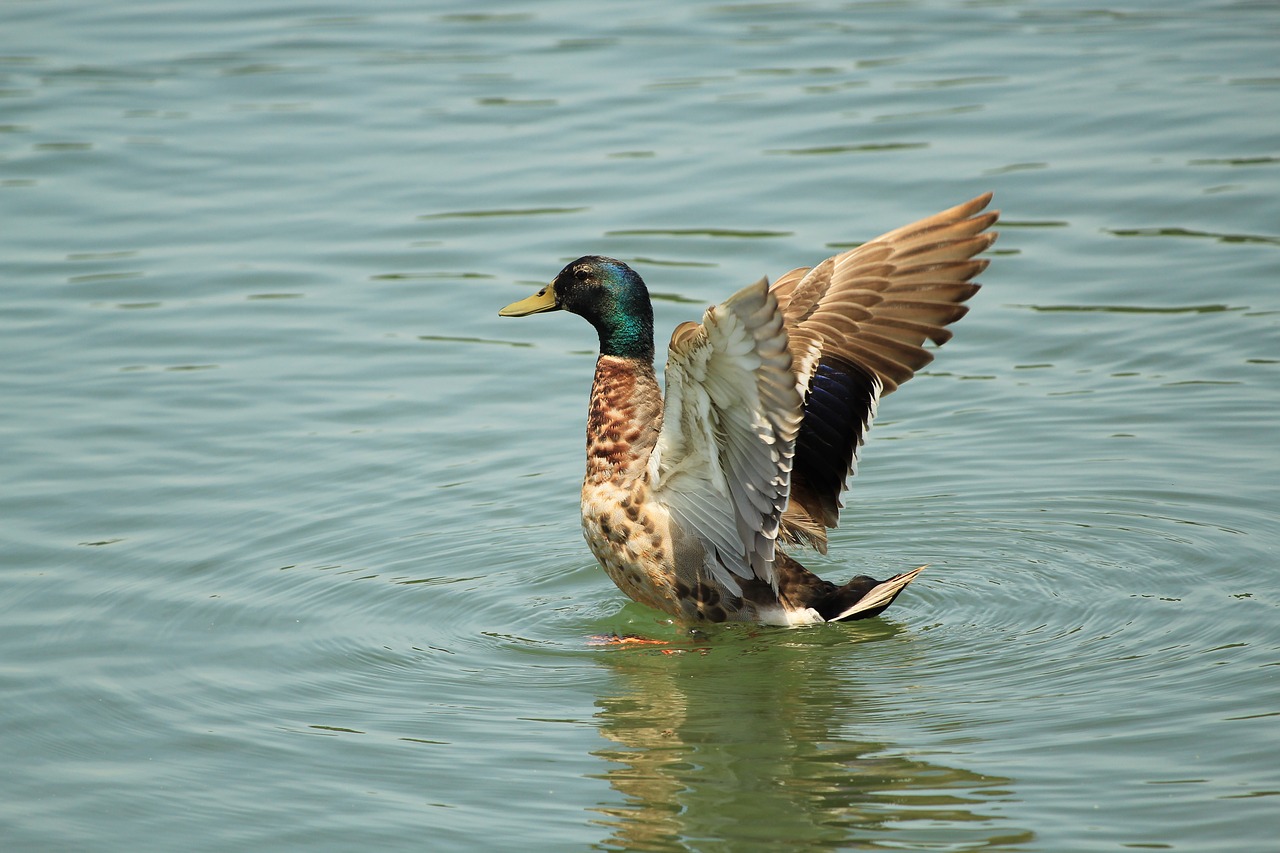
(695, 499)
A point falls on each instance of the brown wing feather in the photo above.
(857, 324)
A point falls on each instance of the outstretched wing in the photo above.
(722, 464)
(857, 323)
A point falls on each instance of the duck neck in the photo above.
(623, 420)
(626, 327)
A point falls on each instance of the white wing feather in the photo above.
(722, 464)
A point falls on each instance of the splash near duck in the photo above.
(689, 499)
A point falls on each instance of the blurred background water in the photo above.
(289, 551)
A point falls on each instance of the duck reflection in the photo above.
(750, 737)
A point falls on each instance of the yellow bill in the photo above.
(543, 300)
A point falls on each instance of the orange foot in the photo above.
(629, 640)
(632, 640)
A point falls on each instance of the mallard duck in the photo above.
(687, 498)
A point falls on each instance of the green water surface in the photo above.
(289, 548)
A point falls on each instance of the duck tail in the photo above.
(864, 597)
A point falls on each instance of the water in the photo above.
(290, 554)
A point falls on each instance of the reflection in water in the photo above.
(753, 740)
(1188, 232)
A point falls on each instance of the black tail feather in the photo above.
(863, 597)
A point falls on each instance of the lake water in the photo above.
(289, 548)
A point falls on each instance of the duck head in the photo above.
(609, 294)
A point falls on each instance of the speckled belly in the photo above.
(630, 538)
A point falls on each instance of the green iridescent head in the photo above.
(609, 294)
